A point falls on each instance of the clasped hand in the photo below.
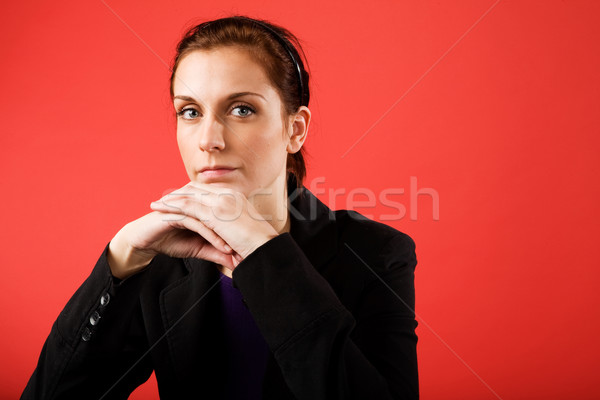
(199, 221)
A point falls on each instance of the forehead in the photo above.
(220, 71)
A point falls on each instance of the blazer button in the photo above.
(95, 318)
(86, 335)
(104, 299)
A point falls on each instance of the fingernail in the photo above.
(228, 248)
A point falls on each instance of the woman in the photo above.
(241, 284)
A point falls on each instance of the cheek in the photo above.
(270, 139)
(183, 140)
(270, 152)
(185, 148)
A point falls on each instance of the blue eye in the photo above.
(188, 113)
(242, 111)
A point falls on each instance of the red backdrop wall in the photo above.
(484, 111)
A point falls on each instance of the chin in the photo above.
(221, 183)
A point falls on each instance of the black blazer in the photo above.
(333, 299)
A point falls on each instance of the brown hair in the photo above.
(274, 47)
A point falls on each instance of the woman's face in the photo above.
(229, 122)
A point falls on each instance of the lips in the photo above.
(216, 168)
(216, 171)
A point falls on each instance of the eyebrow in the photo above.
(230, 97)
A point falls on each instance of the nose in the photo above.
(211, 135)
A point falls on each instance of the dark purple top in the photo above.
(245, 351)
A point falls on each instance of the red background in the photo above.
(499, 115)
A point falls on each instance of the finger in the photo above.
(211, 214)
(195, 188)
(210, 253)
(192, 224)
(185, 206)
(206, 198)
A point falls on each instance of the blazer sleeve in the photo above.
(323, 350)
(95, 347)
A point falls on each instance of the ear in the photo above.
(298, 129)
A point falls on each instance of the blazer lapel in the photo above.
(312, 226)
(190, 313)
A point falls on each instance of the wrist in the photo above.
(124, 260)
(257, 242)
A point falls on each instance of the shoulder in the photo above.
(374, 267)
(373, 242)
